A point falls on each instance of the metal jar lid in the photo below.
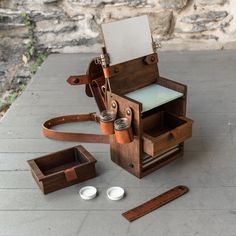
(121, 124)
(107, 116)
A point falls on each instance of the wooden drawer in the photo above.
(163, 130)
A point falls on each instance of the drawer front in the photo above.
(157, 145)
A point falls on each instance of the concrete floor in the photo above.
(208, 166)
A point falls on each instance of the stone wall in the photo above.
(74, 25)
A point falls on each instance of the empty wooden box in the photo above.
(62, 169)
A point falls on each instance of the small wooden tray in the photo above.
(62, 169)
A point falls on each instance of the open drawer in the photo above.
(164, 130)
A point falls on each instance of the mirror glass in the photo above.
(127, 39)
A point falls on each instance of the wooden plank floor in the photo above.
(208, 166)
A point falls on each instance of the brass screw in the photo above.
(116, 70)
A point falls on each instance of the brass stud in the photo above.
(128, 112)
(103, 89)
(113, 104)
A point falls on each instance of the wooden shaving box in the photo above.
(159, 131)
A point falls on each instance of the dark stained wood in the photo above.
(127, 155)
(172, 85)
(155, 203)
(160, 132)
(177, 106)
(62, 169)
(132, 75)
(163, 130)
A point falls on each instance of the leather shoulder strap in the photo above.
(70, 136)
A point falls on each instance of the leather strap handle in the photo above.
(155, 203)
(70, 136)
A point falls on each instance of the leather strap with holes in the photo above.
(49, 132)
(155, 203)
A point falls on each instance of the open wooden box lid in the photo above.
(127, 39)
(133, 65)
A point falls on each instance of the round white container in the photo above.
(115, 193)
(88, 192)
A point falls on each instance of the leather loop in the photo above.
(106, 72)
(124, 136)
(70, 174)
(70, 136)
(79, 79)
